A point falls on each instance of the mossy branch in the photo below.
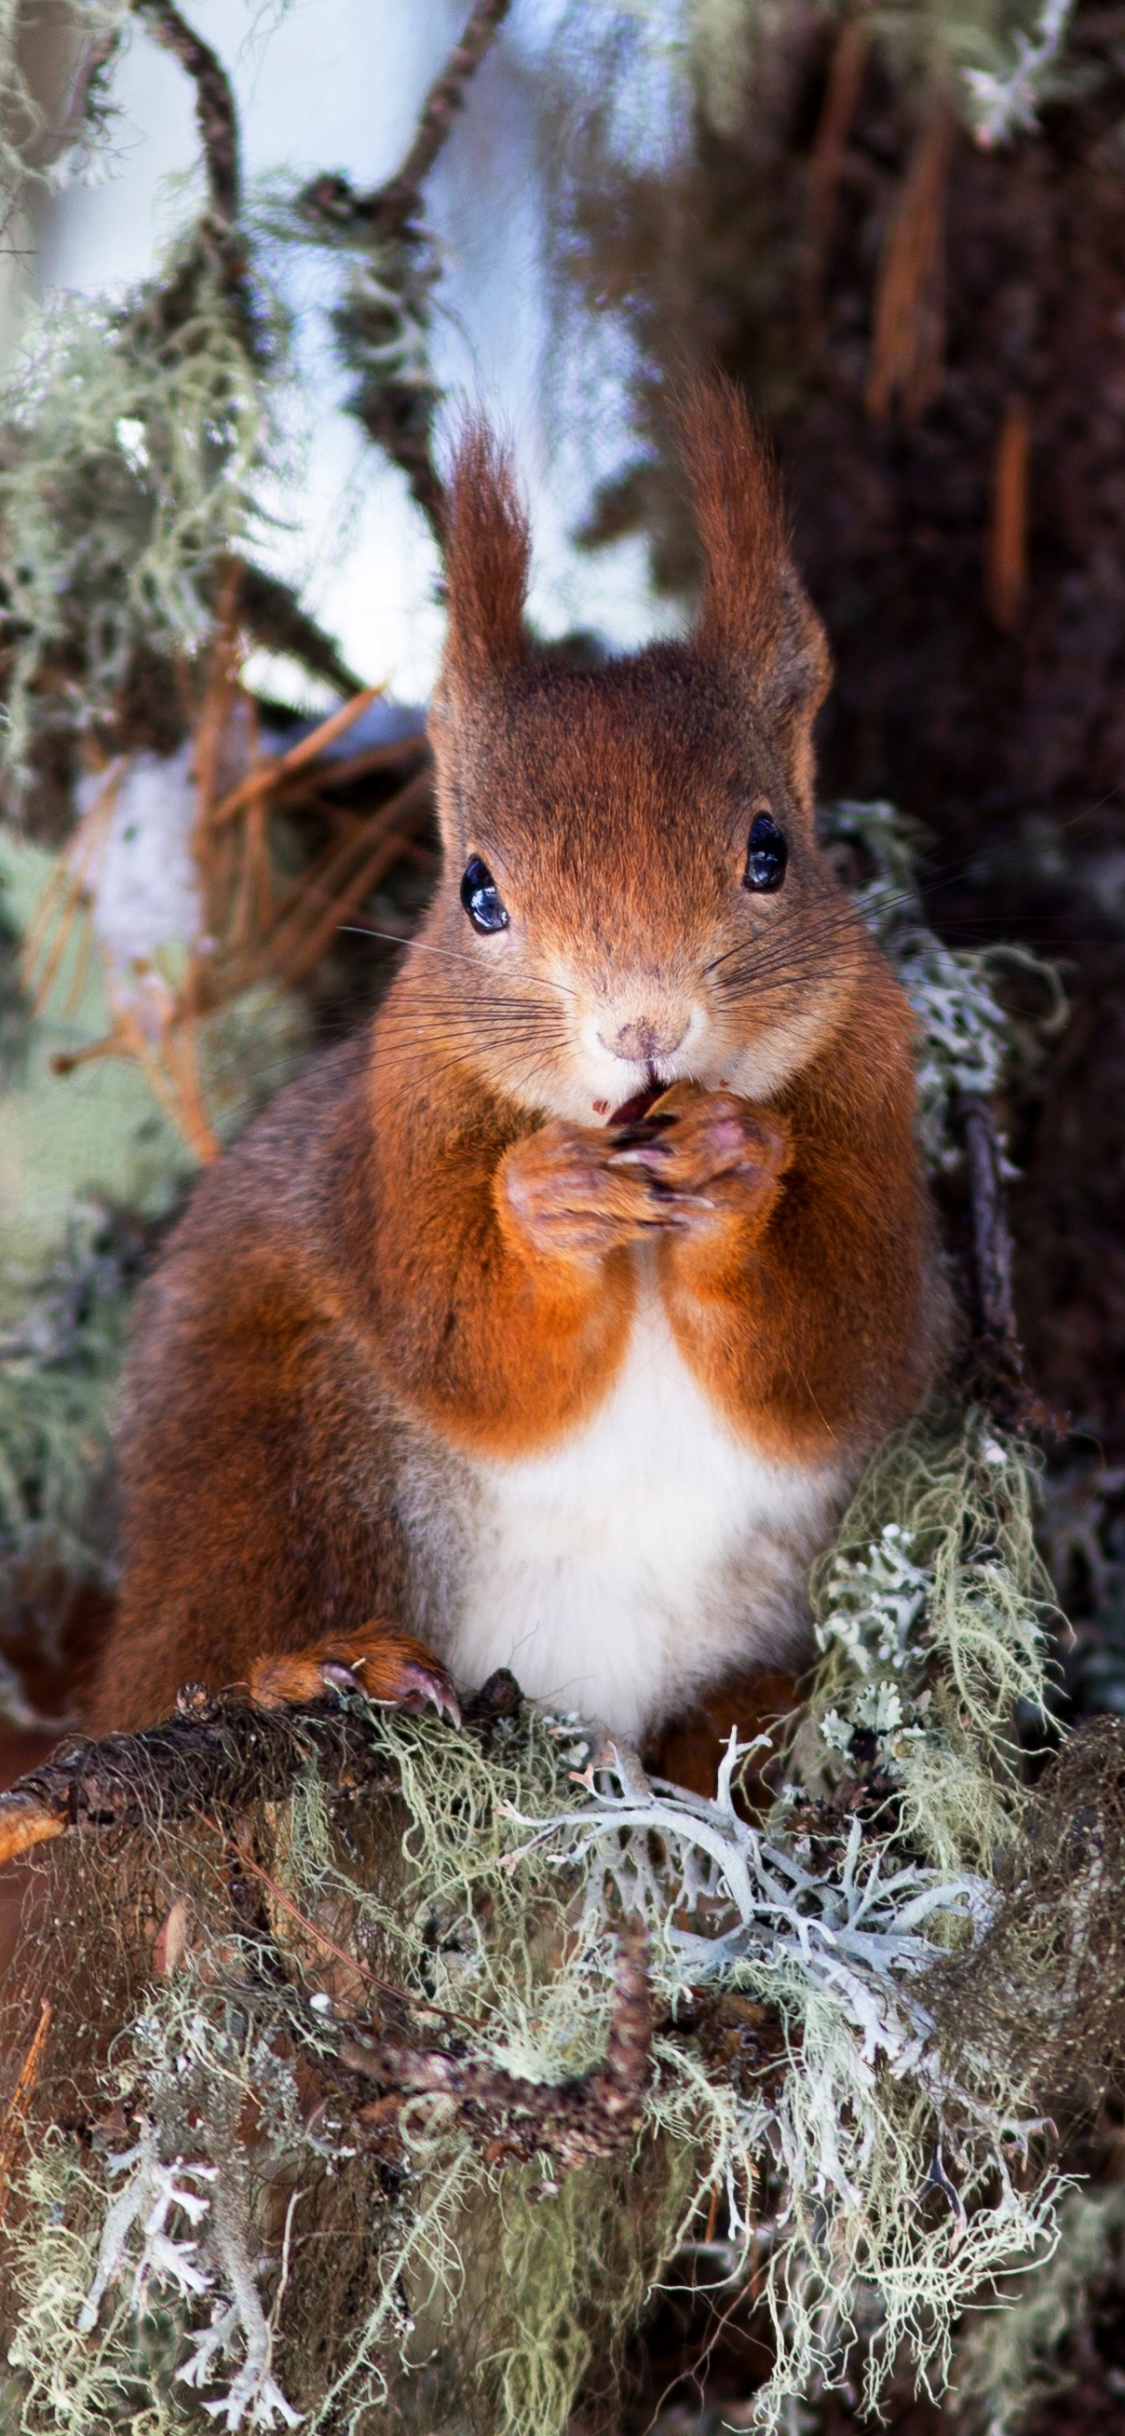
(214, 1756)
(510, 2118)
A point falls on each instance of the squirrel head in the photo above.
(633, 893)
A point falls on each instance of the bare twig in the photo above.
(273, 773)
(216, 116)
(999, 1354)
(391, 207)
(397, 406)
(12, 2130)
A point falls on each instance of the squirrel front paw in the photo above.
(388, 1667)
(712, 1157)
(568, 1196)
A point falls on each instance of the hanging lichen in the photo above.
(379, 2010)
(159, 412)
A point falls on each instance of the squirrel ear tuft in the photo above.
(754, 609)
(487, 557)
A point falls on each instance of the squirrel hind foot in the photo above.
(390, 1668)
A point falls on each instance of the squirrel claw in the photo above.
(342, 1678)
(637, 1150)
(418, 1687)
(390, 1668)
(424, 1686)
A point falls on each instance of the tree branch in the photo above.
(396, 406)
(999, 1351)
(578, 2119)
(390, 207)
(215, 113)
(219, 1761)
(213, 1757)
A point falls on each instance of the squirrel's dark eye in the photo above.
(481, 897)
(766, 855)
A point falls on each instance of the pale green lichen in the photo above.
(969, 1042)
(499, 1905)
(160, 410)
(1010, 2357)
(932, 1612)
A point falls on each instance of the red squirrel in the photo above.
(470, 1353)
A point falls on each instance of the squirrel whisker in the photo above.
(425, 947)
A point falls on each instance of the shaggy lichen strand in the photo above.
(161, 410)
(932, 1614)
(1011, 2357)
(487, 1892)
(32, 152)
(456, 1924)
(537, 2328)
(67, 2379)
(969, 1042)
(841, 1947)
(495, 1897)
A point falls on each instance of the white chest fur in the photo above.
(648, 1554)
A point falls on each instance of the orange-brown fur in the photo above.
(429, 1253)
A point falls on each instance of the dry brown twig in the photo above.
(588, 2116)
(259, 926)
(841, 100)
(1005, 561)
(212, 1759)
(909, 336)
(12, 2128)
(216, 116)
(392, 206)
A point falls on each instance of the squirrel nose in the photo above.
(642, 1042)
